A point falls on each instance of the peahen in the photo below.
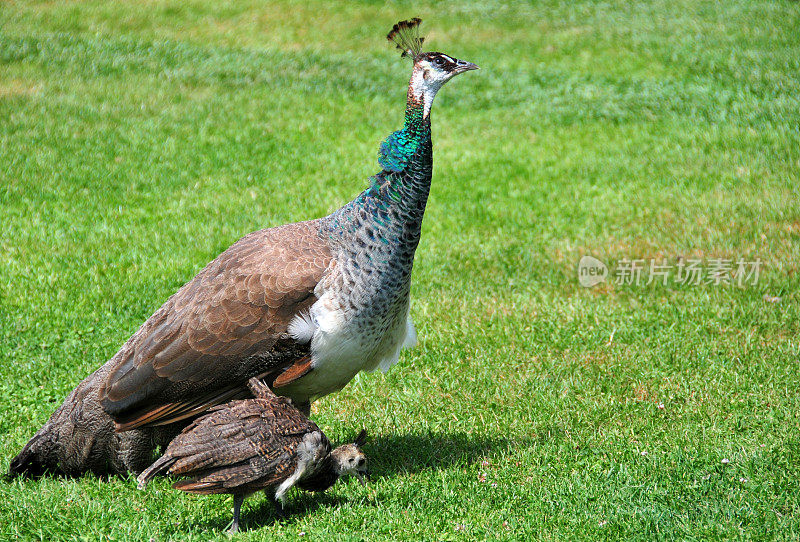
(304, 306)
(256, 444)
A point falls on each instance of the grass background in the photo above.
(138, 140)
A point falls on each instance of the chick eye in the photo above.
(361, 462)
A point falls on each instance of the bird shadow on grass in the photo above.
(392, 455)
(389, 456)
(259, 511)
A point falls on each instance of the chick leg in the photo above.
(237, 507)
(279, 513)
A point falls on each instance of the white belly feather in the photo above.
(340, 349)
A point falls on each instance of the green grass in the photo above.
(138, 141)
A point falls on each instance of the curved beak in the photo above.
(464, 66)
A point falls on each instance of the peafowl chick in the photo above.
(256, 444)
(304, 306)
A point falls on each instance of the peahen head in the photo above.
(431, 69)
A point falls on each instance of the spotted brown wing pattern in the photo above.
(239, 447)
(244, 446)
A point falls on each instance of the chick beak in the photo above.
(363, 477)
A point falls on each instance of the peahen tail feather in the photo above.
(79, 437)
(34, 460)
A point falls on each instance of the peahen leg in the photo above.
(305, 408)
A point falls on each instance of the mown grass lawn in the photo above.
(138, 140)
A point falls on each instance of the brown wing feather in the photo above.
(225, 325)
(177, 411)
(242, 446)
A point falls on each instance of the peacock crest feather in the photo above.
(405, 35)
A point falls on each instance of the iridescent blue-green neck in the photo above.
(390, 211)
(406, 157)
(398, 149)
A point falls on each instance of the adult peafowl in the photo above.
(303, 306)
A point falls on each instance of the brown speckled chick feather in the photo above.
(256, 444)
(242, 446)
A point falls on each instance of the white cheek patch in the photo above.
(425, 83)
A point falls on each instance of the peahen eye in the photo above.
(439, 61)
